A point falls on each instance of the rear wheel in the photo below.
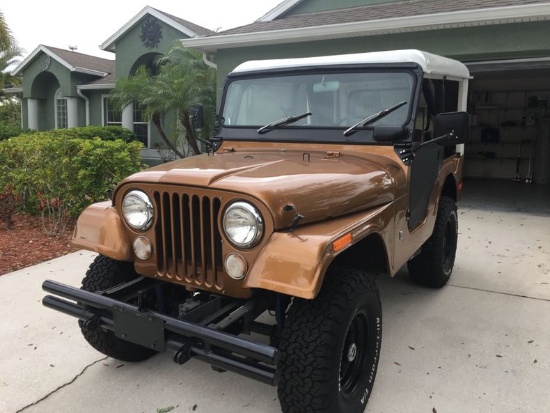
(330, 346)
(434, 265)
(105, 273)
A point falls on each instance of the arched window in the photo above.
(60, 111)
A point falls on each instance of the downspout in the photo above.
(87, 100)
(208, 62)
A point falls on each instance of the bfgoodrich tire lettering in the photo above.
(330, 346)
(434, 265)
(103, 274)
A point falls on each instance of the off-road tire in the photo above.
(434, 265)
(103, 274)
(330, 346)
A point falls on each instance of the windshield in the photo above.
(336, 100)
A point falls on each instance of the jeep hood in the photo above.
(316, 185)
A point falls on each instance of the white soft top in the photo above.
(429, 62)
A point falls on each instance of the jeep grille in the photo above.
(188, 241)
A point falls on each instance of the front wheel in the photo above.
(105, 273)
(434, 265)
(330, 346)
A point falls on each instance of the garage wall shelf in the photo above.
(503, 132)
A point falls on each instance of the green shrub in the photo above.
(106, 133)
(9, 131)
(58, 178)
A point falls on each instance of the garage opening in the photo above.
(509, 106)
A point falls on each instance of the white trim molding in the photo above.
(278, 10)
(96, 86)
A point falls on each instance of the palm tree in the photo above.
(9, 52)
(182, 79)
(5, 33)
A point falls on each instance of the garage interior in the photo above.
(509, 106)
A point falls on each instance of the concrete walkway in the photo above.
(480, 344)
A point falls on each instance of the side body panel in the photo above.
(99, 228)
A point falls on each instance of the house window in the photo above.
(141, 126)
(112, 116)
(60, 111)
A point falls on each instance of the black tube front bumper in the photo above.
(159, 332)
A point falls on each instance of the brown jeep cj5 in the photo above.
(323, 173)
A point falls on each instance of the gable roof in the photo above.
(386, 18)
(184, 26)
(73, 61)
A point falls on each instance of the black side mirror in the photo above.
(196, 116)
(451, 127)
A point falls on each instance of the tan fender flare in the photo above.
(100, 229)
(294, 263)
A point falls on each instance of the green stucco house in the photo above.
(504, 43)
(64, 89)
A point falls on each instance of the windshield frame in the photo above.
(319, 134)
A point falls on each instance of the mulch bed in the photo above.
(28, 244)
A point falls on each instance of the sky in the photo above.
(86, 25)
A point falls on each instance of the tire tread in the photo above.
(310, 341)
(426, 268)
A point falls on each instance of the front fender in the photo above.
(99, 228)
(294, 263)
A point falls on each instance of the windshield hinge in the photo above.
(405, 151)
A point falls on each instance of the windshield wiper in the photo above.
(282, 122)
(373, 118)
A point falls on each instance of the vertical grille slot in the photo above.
(188, 238)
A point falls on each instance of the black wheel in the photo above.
(330, 346)
(103, 274)
(434, 265)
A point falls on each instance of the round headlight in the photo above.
(137, 210)
(243, 225)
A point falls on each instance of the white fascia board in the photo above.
(13, 90)
(103, 86)
(109, 44)
(278, 10)
(88, 71)
(497, 15)
(32, 55)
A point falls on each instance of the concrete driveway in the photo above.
(480, 344)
